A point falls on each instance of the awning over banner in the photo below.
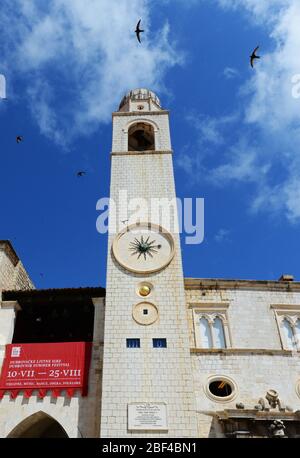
(41, 368)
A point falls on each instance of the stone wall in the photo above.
(13, 276)
(256, 361)
(146, 374)
(12, 272)
(79, 416)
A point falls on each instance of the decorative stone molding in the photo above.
(290, 313)
(225, 379)
(241, 351)
(139, 153)
(256, 423)
(210, 311)
(10, 305)
(213, 284)
(139, 315)
(273, 402)
(135, 113)
(277, 428)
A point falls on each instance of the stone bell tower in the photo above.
(147, 377)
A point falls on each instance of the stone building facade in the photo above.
(171, 357)
(257, 355)
(62, 416)
(12, 276)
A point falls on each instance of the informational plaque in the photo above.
(147, 416)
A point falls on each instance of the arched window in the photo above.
(39, 425)
(288, 321)
(288, 335)
(218, 330)
(205, 334)
(211, 327)
(141, 137)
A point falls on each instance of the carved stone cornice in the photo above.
(222, 284)
(140, 113)
(253, 414)
(140, 153)
(244, 351)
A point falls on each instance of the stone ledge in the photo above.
(254, 414)
(220, 283)
(284, 307)
(243, 351)
(140, 113)
(139, 153)
(209, 305)
(10, 305)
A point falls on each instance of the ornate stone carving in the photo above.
(277, 428)
(274, 402)
(240, 405)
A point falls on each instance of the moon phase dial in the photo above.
(143, 248)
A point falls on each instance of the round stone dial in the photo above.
(143, 248)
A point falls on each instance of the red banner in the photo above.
(44, 367)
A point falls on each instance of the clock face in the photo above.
(143, 248)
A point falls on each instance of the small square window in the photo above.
(133, 343)
(145, 311)
(159, 343)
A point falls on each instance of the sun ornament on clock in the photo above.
(143, 248)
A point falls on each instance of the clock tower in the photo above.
(147, 377)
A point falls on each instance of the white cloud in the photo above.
(273, 109)
(268, 150)
(230, 73)
(41, 96)
(244, 166)
(292, 197)
(187, 163)
(210, 128)
(79, 58)
(261, 11)
(2, 87)
(222, 235)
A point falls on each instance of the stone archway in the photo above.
(38, 425)
(141, 137)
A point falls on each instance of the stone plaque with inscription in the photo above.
(147, 416)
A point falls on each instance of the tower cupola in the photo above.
(140, 100)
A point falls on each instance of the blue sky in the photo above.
(235, 131)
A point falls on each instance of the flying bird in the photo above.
(138, 30)
(124, 221)
(80, 174)
(19, 138)
(254, 56)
